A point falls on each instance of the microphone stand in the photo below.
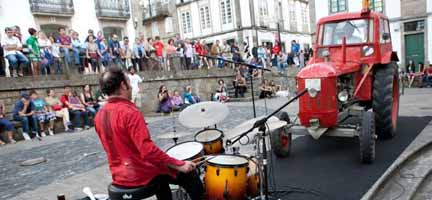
(247, 65)
(261, 125)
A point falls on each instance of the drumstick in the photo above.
(201, 162)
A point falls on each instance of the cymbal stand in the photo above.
(261, 155)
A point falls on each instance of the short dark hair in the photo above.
(157, 38)
(61, 28)
(32, 31)
(110, 81)
(32, 92)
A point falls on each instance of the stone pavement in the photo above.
(77, 160)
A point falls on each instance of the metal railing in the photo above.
(112, 9)
(153, 11)
(52, 7)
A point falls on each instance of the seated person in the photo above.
(427, 76)
(188, 96)
(410, 71)
(12, 51)
(24, 112)
(87, 99)
(101, 98)
(239, 85)
(177, 101)
(266, 89)
(134, 160)
(275, 88)
(221, 92)
(54, 105)
(6, 125)
(76, 109)
(164, 99)
(42, 113)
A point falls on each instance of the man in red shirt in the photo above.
(159, 46)
(133, 158)
(427, 76)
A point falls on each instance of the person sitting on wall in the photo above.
(221, 92)
(24, 112)
(177, 101)
(54, 105)
(266, 89)
(164, 99)
(43, 114)
(239, 85)
(76, 109)
(427, 76)
(189, 97)
(6, 125)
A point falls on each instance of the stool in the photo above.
(126, 193)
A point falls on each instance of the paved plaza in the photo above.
(77, 160)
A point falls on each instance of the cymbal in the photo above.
(273, 123)
(172, 135)
(203, 114)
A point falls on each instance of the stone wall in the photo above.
(204, 83)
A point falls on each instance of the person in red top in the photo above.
(427, 76)
(159, 46)
(134, 160)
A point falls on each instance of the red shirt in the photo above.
(158, 45)
(63, 100)
(428, 71)
(198, 49)
(133, 158)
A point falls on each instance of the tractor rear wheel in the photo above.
(385, 103)
(281, 138)
(367, 138)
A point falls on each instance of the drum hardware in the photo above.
(261, 145)
(211, 139)
(204, 114)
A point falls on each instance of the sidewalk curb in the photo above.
(397, 164)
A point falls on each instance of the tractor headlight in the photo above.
(343, 96)
(367, 50)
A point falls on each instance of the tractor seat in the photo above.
(116, 192)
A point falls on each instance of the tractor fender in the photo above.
(388, 57)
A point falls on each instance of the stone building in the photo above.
(159, 18)
(410, 23)
(109, 16)
(254, 21)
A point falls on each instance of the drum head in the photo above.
(185, 150)
(208, 135)
(228, 160)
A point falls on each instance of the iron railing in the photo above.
(113, 9)
(52, 7)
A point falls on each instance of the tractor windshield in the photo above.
(355, 31)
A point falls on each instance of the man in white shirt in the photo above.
(135, 80)
(12, 47)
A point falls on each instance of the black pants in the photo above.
(265, 94)
(240, 90)
(188, 63)
(190, 182)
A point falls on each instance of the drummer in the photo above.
(134, 160)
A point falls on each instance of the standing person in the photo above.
(126, 53)
(282, 62)
(88, 100)
(114, 50)
(93, 54)
(178, 40)
(295, 47)
(124, 134)
(226, 52)
(76, 109)
(46, 53)
(54, 105)
(262, 55)
(215, 51)
(135, 80)
(235, 51)
(24, 112)
(43, 114)
(138, 54)
(159, 48)
(33, 45)
(188, 54)
(171, 52)
(12, 46)
(6, 125)
(65, 43)
(55, 50)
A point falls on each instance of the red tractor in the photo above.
(352, 81)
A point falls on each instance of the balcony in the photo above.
(52, 7)
(155, 11)
(112, 9)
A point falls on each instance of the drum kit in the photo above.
(226, 174)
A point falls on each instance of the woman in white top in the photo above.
(46, 52)
(55, 51)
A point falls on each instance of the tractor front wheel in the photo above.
(385, 103)
(367, 138)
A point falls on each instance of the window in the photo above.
(292, 15)
(338, 6)
(376, 5)
(169, 24)
(186, 22)
(226, 11)
(205, 17)
(355, 31)
(414, 26)
(384, 31)
(304, 16)
(262, 7)
(155, 28)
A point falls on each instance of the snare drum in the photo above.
(186, 150)
(211, 139)
(226, 177)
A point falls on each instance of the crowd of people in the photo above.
(171, 102)
(37, 115)
(44, 53)
(422, 72)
